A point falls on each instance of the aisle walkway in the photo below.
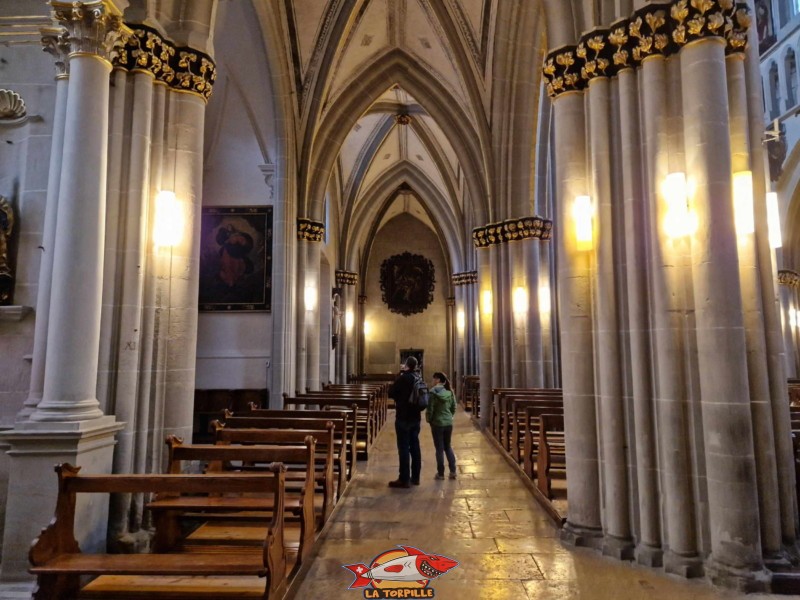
(487, 521)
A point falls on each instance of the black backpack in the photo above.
(419, 394)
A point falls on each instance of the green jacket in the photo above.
(441, 407)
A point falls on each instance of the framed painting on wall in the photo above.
(236, 258)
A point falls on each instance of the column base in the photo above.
(619, 548)
(685, 566)
(35, 447)
(747, 581)
(649, 556)
(582, 537)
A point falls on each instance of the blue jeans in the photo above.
(441, 441)
(408, 449)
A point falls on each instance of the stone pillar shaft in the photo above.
(574, 283)
(728, 434)
(485, 308)
(74, 330)
(311, 275)
(302, 321)
(612, 433)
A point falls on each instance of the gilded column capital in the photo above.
(344, 278)
(92, 26)
(310, 231)
(789, 278)
(464, 278)
(55, 41)
(511, 230)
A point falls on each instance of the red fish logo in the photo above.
(408, 569)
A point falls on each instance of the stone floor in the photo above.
(487, 521)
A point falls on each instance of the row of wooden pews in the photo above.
(470, 394)
(528, 425)
(242, 526)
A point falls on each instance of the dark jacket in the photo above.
(401, 392)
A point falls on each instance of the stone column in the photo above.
(485, 306)
(786, 304)
(302, 322)
(616, 525)
(757, 375)
(519, 320)
(583, 525)
(68, 425)
(648, 549)
(728, 434)
(312, 316)
(56, 44)
(534, 350)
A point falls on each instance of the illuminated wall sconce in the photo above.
(582, 213)
(486, 302)
(793, 318)
(544, 299)
(460, 320)
(519, 300)
(367, 328)
(743, 202)
(310, 298)
(774, 221)
(169, 222)
(349, 319)
(679, 221)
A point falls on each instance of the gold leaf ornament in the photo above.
(680, 11)
(656, 20)
(696, 25)
(596, 43)
(635, 27)
(715, 21)
(621, 58)
(726, 4)
(661, 41)
(743, 18)
(566, 59)
(618, 37)
(703, 5)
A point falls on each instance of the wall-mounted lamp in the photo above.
(349, 319)
(582, 214)
(544, 299)
(519, 300)
(310, 298)
(486, 302)
(367, 328)
(679, 221)
(169, 222)
(743, 202)
(774, 221)
(460, 320)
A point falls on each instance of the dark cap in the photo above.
(411, 363)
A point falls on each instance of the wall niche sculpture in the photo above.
(407, 283)
(6, 272)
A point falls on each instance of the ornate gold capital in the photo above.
(789, 278)
(464, 278)
(511, 230)
(310, 231)
(346, 278)
(91, 26)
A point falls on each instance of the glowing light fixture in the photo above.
(310, 298)
(460, 320)
(349, 319)
(367, 328)
(169, 221)
(544, 299)
(774, 221)
(679, 221)
(793, 318)
(582, 213)
(519, 300)
(486, 302)
(743, 202)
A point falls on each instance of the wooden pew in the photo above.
(517, 422)
(343, 422)
(470, 391)
(327, 463)
(58, 563)
(367, 401)
(551, 451)
(220, 458)
(365, 421)
(531, 435)
(501, 408)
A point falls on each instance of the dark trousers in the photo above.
(408, 449)
(441, 441)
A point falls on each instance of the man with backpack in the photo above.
(410, 394)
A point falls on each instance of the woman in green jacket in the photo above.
(440, 411)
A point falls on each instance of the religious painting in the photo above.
(764, 25)
(407, 283)
(236, 258)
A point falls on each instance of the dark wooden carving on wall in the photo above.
(407, 283)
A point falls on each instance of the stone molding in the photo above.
(660, 29)
(12, 106)
(181, 68)
(464, 278)
(346, 278)
(310, 231)
(92, 27)
(511, 230)
(789, 278)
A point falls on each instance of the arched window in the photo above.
(774, 92)
(789, 9)
(791, 79)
